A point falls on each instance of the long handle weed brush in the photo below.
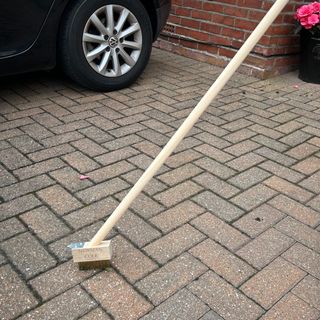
(97, 253)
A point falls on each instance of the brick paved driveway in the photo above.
(229, 229)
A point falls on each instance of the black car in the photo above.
(101, 44)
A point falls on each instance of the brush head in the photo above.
(97, 257)
(89, 265)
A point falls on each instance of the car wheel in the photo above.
(105, 44)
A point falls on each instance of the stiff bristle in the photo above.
(88, 265)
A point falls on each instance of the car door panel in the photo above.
(20, 24)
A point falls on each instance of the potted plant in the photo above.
(308, 20)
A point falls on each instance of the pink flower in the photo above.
(304, 11)
(313, 19)
(316, 7)
(305, 23)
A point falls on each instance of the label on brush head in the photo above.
(76, 245)
(101, 252)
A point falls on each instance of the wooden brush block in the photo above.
(102, 252)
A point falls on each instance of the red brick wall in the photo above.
(212, 31)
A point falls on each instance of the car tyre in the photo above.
(105, 44)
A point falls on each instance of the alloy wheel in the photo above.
(112, 40)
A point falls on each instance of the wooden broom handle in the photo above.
(190, 121)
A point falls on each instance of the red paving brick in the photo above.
(227, 230)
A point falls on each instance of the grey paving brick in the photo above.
(143, 205)
(80, 162)
(126, 130)
(110, 171)
(102, 190)
(281, 171)
(214, 153)
(315, 203)
(182, 305)
(211, 315)
(216, 185)
(88, 147)
(6, 178)
(78, 116)
(57, 280)
(178, 193)
(253, 197)
(3, 260)
(220, 231)
(10, 228)
(129, 261)
(245, 161)
(59, 199)
(108, 287)
(218, 206)
(295, 138)
(137, 230)
(181, 158)
(37, 131)
(62, 138)
(53, 152)
(180, 174)
(27, 186)
(213, 140)
(266, 247)
(161, 284)
(96, 134)
(224, 299)
(39, 168)
(176, 216)
(174, 243)
(47, 120)
(148, 148)
(91, 213)
(248, 178)
(17, 206)
(271, 283)
(300, 232)
(69, 305)
(15, 124)
(309, 290)
(96, 314)
(289, 127)
(28, 255)
(70, 179)
(291, 307)
(312, 183)
(275, 156)
(25, 144)
(122, 142)
(13, 159)
(288, 188)
(304, 258)
(117, 155)
(154, 186)
(259, 220)
(296, 210)
(308, 166)
(143, 161)
(38, 221)
(302, 151)
(270, 143)
(13, 289)
(103, 123)
(239, 136)
(222, 262)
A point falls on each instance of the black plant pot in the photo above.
(309, 69)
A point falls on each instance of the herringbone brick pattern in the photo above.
(228, 229)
